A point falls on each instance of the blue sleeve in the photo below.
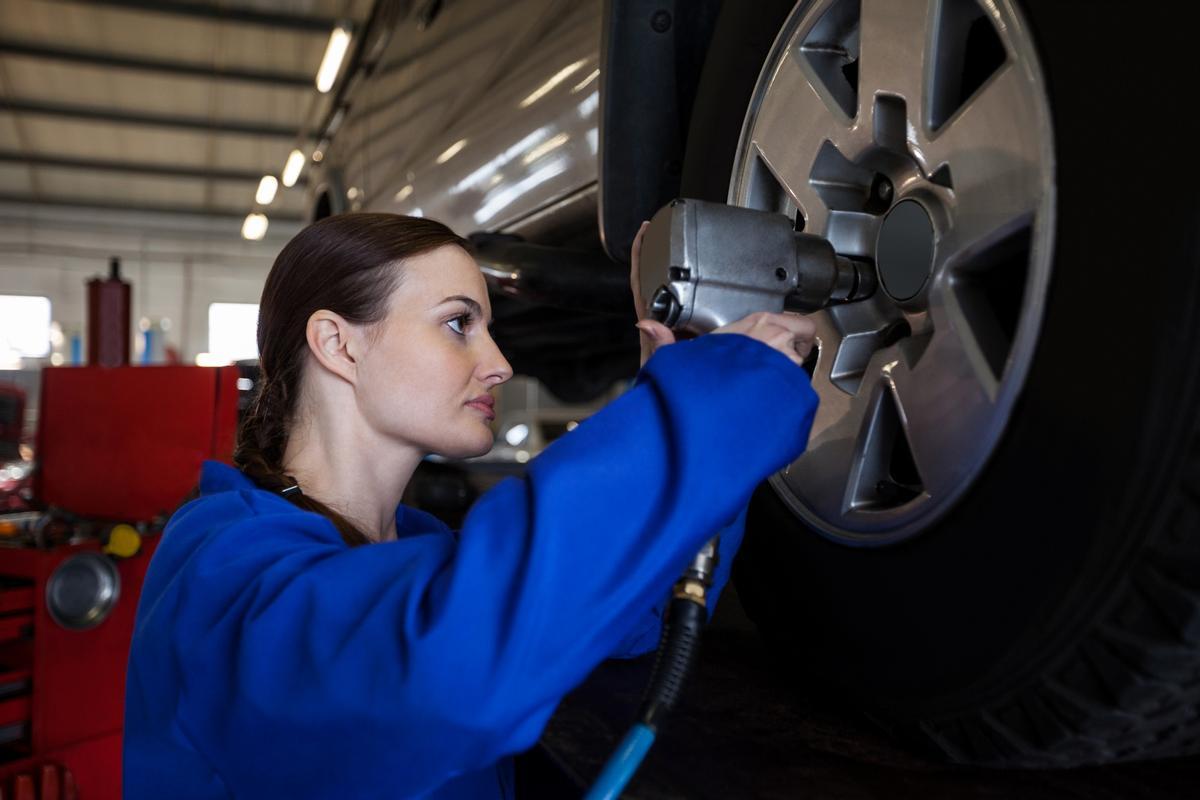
(643, 637)
(303, 665)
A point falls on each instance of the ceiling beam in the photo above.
(107, 60)
(299, 23)
(120, 117)
(139, 208)
(134, 168)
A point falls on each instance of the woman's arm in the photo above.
(303, 666)
(643, 637)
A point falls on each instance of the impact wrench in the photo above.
(704, 265)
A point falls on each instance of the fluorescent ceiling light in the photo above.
(451, 151)
(266, 190)
(555, 80)
(255, 227)
(335, 51)
(404, 193)
(291, 170)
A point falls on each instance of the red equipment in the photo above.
(121, 444)
(63, 689)
(126, 443)
(108, 318)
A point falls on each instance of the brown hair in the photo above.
(347, 264)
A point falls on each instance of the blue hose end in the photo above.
(622, 764)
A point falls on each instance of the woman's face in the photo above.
(427, 377)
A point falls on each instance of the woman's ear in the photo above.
(335, 343)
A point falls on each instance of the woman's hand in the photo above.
(789, 333)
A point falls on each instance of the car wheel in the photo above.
(993, 540)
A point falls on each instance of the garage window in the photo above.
(232, 331)
(24, 326)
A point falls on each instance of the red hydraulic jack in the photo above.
(118, 449)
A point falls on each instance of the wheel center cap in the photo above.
(904, 250)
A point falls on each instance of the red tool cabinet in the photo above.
(125, 443)
(114, 445)
(62, 691)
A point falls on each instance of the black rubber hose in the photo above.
(677, 650)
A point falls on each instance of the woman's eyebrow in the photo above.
(470, 303)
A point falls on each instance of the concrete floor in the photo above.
(743, 731)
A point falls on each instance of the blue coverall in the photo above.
(270, 660)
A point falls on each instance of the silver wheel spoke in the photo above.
(944, 405)
(993, 150)
(796, 119)
(834, 403)
(822, 476)
(853, 233)
(893, 47)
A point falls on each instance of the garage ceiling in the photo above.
(150, 105)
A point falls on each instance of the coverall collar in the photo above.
(217, 476)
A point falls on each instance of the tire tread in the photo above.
(1130, 688)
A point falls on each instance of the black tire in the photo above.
(1053, 617)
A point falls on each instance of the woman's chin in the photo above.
(467, 449)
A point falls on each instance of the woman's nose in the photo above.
(495, 367)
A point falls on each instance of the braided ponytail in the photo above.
(262, 439)
(348, 264)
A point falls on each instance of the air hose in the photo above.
(678, 647)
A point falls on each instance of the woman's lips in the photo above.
(485, 405)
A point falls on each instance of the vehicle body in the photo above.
(993, 541)
(423, 137)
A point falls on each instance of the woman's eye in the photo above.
(459, 324)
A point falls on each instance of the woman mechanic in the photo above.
(301, 634)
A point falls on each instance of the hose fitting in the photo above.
(678, 647)
(679, 644)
